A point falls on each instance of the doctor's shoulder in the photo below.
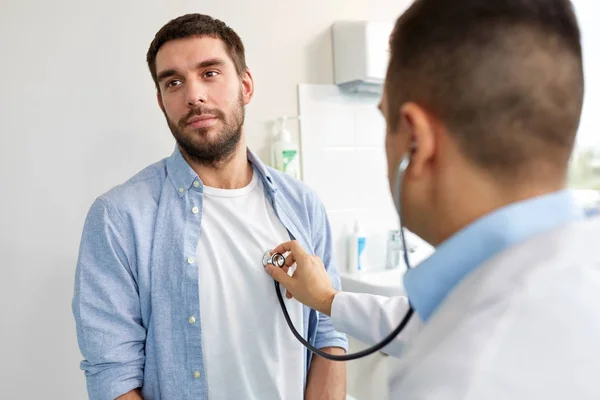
(526, 317)
(544, 265)
(527, 299)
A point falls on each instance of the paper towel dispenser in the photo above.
(361, 55)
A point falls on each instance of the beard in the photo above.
(195, 142)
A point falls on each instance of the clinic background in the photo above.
(79, 115)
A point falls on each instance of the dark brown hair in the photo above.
(504, 76)
(190, 25)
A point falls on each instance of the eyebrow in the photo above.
(211, 62)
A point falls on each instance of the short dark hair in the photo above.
(504, 76)
(191, 25)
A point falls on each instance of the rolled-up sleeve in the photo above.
(106, 306)
(326, 336)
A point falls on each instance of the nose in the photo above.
(196, 93)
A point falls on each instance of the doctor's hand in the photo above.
(309, 283)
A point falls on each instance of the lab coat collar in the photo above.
(428, 284)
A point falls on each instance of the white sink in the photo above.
(386, 282)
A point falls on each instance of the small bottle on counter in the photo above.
(357, 242)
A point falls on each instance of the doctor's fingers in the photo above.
(280, 275)
(294, 250)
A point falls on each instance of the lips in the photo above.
(200, 118)
(201, 121)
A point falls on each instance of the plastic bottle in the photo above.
(284, 152)
(356, 249)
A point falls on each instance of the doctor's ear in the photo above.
(422, 129)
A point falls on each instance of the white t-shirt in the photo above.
(249, 351)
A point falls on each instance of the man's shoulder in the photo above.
(296, 192)
(139, 191)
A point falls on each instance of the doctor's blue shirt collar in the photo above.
(428, 284)
(182, 175)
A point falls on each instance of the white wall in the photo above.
(588, 12)
(78, 116)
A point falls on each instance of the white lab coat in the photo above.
(370, 318)
(523, 326)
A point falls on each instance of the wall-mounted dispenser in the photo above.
(361, 55)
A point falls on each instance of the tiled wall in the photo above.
(343, 160)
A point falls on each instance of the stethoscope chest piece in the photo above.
(276, 259)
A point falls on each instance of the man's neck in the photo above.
(233, 173)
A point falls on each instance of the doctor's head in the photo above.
(203, 85)
(489, 93)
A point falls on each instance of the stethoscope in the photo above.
(278, 260)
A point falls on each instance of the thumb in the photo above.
(279, 275)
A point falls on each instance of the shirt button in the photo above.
(180, 190)
(195, 210)
(192, 320)
(197, 374)
(190, 260)
(196, 184)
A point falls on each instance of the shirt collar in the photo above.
(428, 284)
(262, 170)
(184, 177)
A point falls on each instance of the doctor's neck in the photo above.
(480, 193)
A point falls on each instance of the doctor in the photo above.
(483, 98)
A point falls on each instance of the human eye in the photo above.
(173, 83)
(211, 74)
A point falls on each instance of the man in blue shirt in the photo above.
(155, 316)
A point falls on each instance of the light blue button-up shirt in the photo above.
(136, 301)
(428, 284)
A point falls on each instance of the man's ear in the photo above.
(247, 86)
(421, 129)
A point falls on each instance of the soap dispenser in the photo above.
(285, 155)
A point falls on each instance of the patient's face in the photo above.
(202, 97)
